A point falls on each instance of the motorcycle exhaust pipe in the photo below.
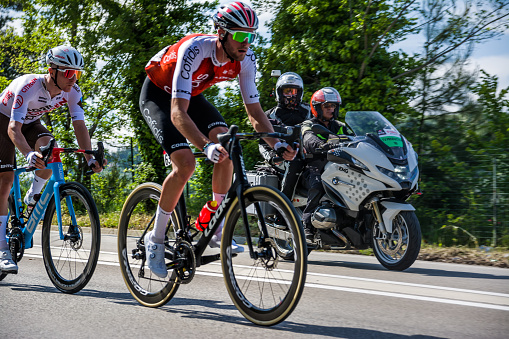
(343, 239)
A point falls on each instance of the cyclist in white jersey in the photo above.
(176, 112)
(22, 104)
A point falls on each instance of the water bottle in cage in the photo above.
(206, 213)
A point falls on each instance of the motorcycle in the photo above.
(367, 179)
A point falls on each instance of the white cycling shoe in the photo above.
(7, 265)
(154, 254)
(215, 242)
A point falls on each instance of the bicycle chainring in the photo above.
(184, 251)
(16, 244)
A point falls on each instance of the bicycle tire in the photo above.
(265, 290)
(71, 262)
(146, 288)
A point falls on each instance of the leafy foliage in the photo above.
(456, 118)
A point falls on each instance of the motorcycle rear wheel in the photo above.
(400, 251)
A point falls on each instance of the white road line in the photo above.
(367, 291)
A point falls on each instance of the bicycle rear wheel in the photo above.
(70, 260)
(136, 219)
(266, 289)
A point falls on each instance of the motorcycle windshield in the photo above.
(379, 131)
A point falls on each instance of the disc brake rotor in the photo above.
(75, 237)
(392, 245)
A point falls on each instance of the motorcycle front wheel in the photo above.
(400, 250)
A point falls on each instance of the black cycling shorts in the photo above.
(32, 132)
(155, 105)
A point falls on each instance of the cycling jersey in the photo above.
(26, 100)
(190, 66)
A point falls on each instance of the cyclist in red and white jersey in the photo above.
(22, 104)
(177, 113)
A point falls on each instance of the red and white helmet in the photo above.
(235, 15)
(65, 56)
(326, 94)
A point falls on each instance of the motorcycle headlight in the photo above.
(400, 173)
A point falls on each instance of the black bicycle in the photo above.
(264, 287)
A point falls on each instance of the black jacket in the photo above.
(316, 143)
(280, 117)
(289, 117)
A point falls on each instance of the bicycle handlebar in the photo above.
(293, 133)
(50, 151)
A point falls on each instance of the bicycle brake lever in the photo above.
(224, 138)
(46, 151)
(99, 155)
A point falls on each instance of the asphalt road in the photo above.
(346, 296)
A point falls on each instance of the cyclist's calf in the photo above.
(6, 180)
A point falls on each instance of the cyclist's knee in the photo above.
(215, 131)
(43, 141)
(183, 164)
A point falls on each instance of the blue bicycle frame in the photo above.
(53, 187)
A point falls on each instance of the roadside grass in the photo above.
(486, 256)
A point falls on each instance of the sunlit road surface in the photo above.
(346, 296)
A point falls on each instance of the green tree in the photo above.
(345, 45)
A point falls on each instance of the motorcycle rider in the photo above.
(324, 107)
(289, 111)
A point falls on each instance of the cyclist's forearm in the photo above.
(260, 121)
(185, 125)
(82, 136)
(17, 138)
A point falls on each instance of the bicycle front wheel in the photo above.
(265, 289)
(70, 256)
(137, 218)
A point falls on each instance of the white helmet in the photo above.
(289, 80)
(65, 56)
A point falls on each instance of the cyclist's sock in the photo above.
(3, 227)
(162, 217)
(219, 198)
(37, 185)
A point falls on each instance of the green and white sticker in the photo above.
(392, 141)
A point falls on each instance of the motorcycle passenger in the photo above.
(176, 111)
(324, 107)
(23, 103)
(289, 111)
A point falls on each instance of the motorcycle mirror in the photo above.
(276, 73)
(319, 129)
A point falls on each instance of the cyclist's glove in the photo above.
(212, 152)
(280, 147)
(32, 158)
(92, 163)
